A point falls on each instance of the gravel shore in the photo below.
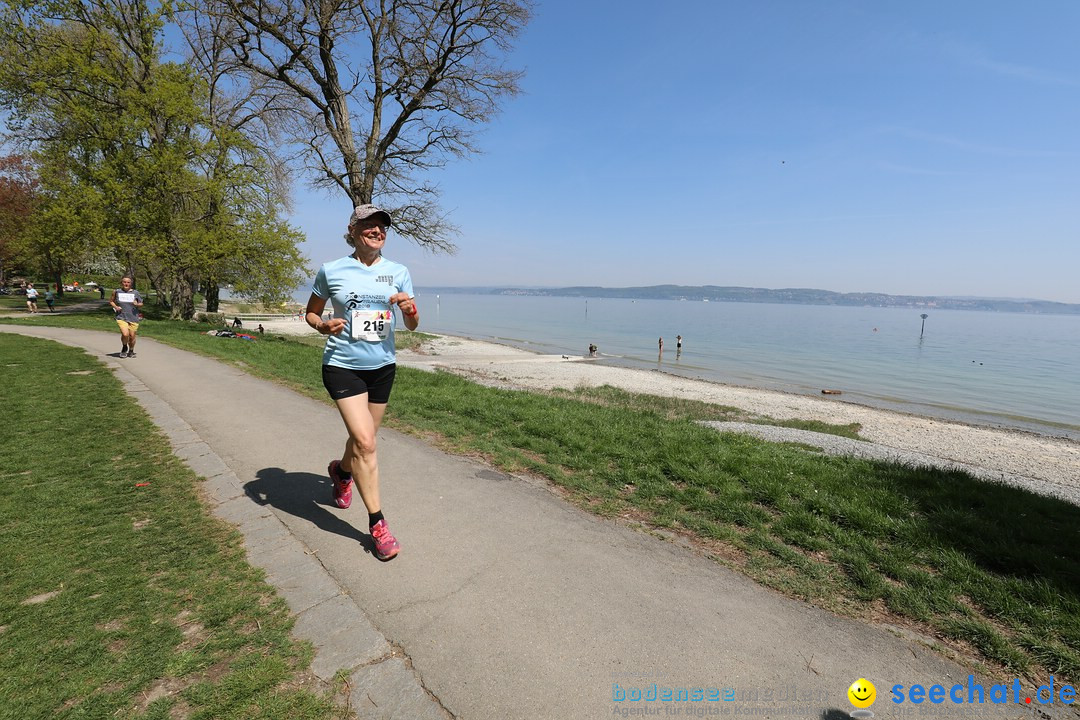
(1046, 465)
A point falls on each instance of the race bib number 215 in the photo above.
(371, 325)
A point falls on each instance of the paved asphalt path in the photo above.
(505, 601)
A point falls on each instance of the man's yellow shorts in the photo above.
(129, 326)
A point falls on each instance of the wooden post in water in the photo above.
(923, 328)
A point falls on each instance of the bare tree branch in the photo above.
(373, 94)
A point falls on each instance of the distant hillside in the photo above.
(798, 296)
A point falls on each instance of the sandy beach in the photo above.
(1013, 455)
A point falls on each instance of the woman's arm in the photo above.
(407, 305)
(313, 317)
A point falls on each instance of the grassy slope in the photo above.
(152, 596)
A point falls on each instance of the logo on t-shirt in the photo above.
(388, 279)
(357, 300)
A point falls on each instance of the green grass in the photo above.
(682, 409)
(993, 566)
(981, 566)
(137, 589)
(238, 307)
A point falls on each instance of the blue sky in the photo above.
(916, 147)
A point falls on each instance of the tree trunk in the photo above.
(212, 293)
(158, 285)
(55, 269)
(183, 298)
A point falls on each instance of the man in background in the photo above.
(126, 302)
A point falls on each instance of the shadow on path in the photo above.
(307, 496)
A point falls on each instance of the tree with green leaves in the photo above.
(18, 199)
(131, 146)
(246, 177)
(68, 226)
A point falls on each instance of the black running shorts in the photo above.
(343, 382)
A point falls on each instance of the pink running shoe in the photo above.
(342, 488)
(386, 545)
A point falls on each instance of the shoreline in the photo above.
(944, 413)
(1037, 428)
(1009, 453)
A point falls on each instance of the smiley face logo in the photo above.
(862, 693)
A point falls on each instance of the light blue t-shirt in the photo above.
(361, 295)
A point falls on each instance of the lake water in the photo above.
(1002, 369)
